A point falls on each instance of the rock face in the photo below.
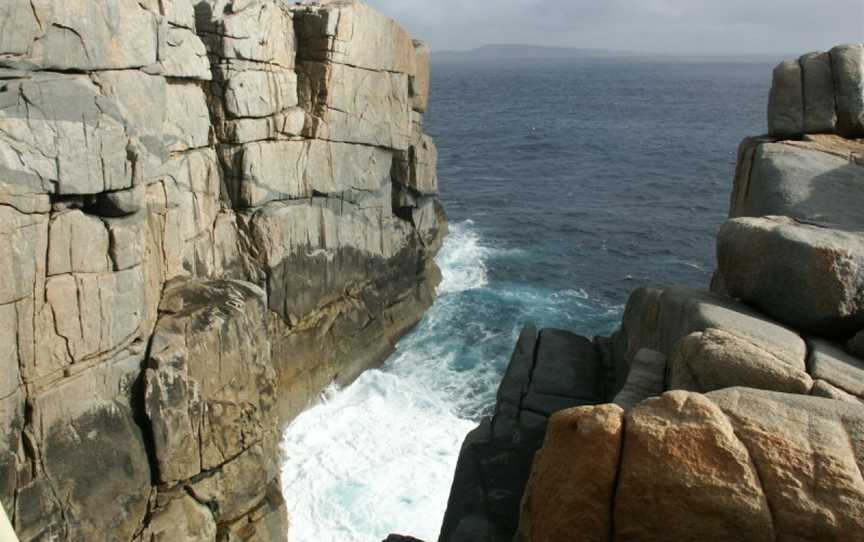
(549, 372)
(702, 467)
(738, 411)
(209, 210)
(819, 93)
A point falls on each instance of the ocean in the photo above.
(568, 184)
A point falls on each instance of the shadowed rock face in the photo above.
(209, 211)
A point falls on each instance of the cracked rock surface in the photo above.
(209, 211)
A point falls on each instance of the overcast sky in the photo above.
(669, 26)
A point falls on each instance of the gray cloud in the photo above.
(694, 26)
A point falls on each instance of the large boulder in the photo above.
(847, 65)
(552, 507)
(820, 115)
(808, 452)
(805, 275)
(736, 464)
(717, 359)
(786, 103)
(682, 460)
(818, 180)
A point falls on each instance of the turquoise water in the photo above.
(568, 184)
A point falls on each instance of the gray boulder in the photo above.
(847, 65)
(820, 115)
(830, 363)
(802, 181)
(786, 103)
(805, 275)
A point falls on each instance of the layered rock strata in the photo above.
(209, 210)
(735, 413)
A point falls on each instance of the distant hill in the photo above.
(516, 51)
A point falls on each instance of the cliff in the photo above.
(209, 211)
(735, 413)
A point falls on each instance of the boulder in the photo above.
(812, 280)
(717, 359)
(205, 411)
(820, 115)
(847, 65)
(786, 103)
(572, 486)
(682, 460)
(826, 390)
(646, 379)
(830, 363)
(808, 452)
(659, 319)
(804, 183)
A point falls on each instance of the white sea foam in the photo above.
(461, 260)
(379, 456)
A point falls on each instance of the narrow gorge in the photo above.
(209, 211)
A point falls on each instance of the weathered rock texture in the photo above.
(209, 210)
(820, 93)
(736, 464)
(739, 411)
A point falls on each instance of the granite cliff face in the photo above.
(209, 211)
(735, 413)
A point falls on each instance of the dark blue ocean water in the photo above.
(568, 184)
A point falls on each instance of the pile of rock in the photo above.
(735, 413)
(764, 437)
(209, 210)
